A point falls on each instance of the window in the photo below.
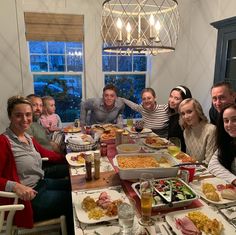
(128, 74)
(56, 59)
(52, 64)
(225, 66)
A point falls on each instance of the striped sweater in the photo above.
(157, 120)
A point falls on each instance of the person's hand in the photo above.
(24, 192)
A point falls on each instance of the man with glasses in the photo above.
(222, 94)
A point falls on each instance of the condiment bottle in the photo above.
(119, 136)
(96, 164)
(125, 138)
(88, 167)
(103, 149)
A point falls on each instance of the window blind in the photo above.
(54, 27)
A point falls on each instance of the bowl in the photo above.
(128, 148)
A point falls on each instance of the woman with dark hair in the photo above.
(223, 162)
(154, 115)
(177, 95)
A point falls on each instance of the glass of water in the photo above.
(126, 217)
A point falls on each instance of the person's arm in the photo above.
(220, 171)
(51, 155)
(132, 105)
(85, 106)
(59, 123)
(210, 144)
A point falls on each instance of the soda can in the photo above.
(184, 175)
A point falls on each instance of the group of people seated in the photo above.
(45, 189)
(211, 142)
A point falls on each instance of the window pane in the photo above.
(130, 87)
(109, 63)
(38, 47)
(231, 49)
(75, 63)
(56, 47)
(66, 90)
(139, 63)
(38, 63)
(230, 69)
(124, 63)
(72, 47)
(56, 63)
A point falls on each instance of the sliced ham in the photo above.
(186, 226)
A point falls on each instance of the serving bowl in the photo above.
(128, 148)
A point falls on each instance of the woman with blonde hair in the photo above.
(199, 135)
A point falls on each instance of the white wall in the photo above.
(191, 64)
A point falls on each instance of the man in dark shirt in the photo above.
(222, 94)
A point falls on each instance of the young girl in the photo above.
(199, 135)
(49, 119)
(177, 95)
(223, 162)
(154, 115)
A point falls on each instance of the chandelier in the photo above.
(140, 26)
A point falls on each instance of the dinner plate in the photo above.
(83, 215)
(197, 186)
(154, 145)
(71, 129)
(69, 157)
(144, 131)
(170, 219)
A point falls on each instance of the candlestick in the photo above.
(128, 29)
(157, 27)
(152, 23)
(119, 26)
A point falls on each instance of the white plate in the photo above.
(75, 163)
(144, 131)
(170, 219)
(157, 147)
(83, 215)
(197, 186)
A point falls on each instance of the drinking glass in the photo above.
(146, 192)
(138, 126)
(175, 146)
(126, 217)
(129, 122)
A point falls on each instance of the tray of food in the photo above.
(131, 166)
(169, 193)
(156, 142)
(98, 205)
(215, 191)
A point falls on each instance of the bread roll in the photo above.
(228, 194)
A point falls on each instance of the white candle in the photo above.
(157, 27)
(119, 26)
(152, 23)
(128, 29)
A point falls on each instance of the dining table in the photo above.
(110, 181)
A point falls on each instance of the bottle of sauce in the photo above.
(88, 167)
(96, 164)
(103, 149)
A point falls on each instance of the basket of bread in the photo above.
(81, 142)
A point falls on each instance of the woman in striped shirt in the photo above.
(155, 116)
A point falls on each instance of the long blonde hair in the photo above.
(197, 107)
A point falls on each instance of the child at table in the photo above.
(49, 119)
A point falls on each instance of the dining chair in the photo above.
(7, 227)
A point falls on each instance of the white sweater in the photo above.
(220, 171)
(200, 141)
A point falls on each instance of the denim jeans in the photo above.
(53, 200)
